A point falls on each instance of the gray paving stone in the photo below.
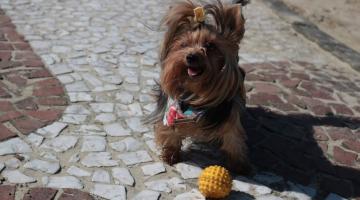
(116, 129)
(147, 195)
(78, 86)
(101, 159)
(64, 182)
(76, 171)
(113, 192)
(102, 107)
(93, 143)
(61, 143)
(74, 118)
(35, 139)
(15, 176)
(136, 125)
(153, 169)
(194, 194)
(132, 158)
(52, 130)
(77, 109)
(105, 118)
(127, 144)
(14, 146)
(188, 171)
(122, 176)
(158, 185)
(12, 163)
(43, 166)
(101, 176)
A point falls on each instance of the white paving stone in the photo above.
(93, 143)
(61, 143)
(188, 171)
(64, 182)
(76, 171)
(105, 118)
(78, 86)
(125, 97)
(194, 194)
(158, 185)
(52, 130)
(153, 169)
(122, 176)
(135, 157)
(147, 195)
(101, 159)
(12, 163)
(136, 125)
(79, 97)
(35, 139)
(77, 109)
(241, 186)
(262, 190)
(43, 166)
(74, 158)
(113, 192)
(73, 118)
(127, 144)
(15, 176)
(101, 176)
(116, 129)
(102, 107)
(14, 146)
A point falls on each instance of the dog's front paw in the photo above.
(170, 155)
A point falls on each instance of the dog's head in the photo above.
(199, 53)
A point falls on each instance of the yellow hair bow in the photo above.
(199, 14)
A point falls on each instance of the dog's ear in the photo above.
(234, 23)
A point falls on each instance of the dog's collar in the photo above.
(178, 113)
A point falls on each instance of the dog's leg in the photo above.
(235, 147)
(169, 143)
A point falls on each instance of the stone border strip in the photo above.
(314, 34)
(12, 192)
(30, 96)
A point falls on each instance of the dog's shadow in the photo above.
(285, 145)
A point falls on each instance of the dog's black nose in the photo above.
(192, 59)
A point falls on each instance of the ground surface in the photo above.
(337, 18)
(302, 119)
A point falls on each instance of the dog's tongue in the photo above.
(192, 72)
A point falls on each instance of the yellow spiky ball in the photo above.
(215, 182)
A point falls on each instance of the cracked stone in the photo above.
(116, 130)
(52, 130)
(122, 176)
(64, 182)
(135, 157)
(35, 139)
(147, 195)
(188, 171)
(76, 171)
(14, 146)
(43, 166)
(15, 176)
(102, 159)
(61, 143)
(127, 144)
(113, 192)
(93, 143)
(153, 169)
(101, 176)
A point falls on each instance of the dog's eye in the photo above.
(183, 45)
(209, 46)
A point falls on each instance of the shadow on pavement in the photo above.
(285, 145)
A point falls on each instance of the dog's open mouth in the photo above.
(194, 71)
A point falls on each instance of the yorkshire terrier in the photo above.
(201, 89)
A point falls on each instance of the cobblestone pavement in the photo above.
(304, 141)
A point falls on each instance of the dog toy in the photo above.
(215, 182)
(199, 14)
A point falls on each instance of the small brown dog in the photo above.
(201, 89)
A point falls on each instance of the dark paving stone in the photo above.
(7, 192)
(40, 194)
